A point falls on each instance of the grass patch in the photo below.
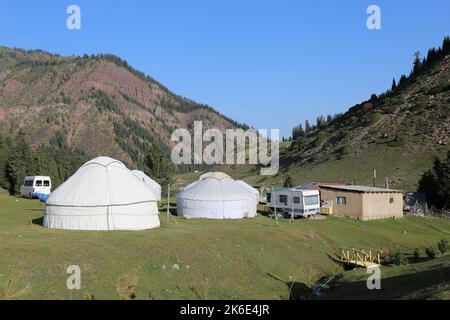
(243, 259)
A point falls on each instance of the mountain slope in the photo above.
(96, 104)
(398, 133)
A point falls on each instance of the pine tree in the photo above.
(417, 62)
(307, 127)
(158, 166)
(394, 85)
(20, 163)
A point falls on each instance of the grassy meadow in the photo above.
(190, 259)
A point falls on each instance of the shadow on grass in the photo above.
(38, 221)
(414, 285)
(296, 290)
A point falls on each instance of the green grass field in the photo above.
(244, 259)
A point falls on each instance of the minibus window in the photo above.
(38, 183)
(46, 183)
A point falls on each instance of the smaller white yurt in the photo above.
(254, 202)
(102, 195)
(149, 182)
(215, 196)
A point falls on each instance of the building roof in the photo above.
(359, 188)
(315, 184)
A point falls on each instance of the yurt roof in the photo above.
(142, 176)
(102, 181)
(214, 175)
(216, 188)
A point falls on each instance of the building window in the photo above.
(391, 199)
(311, 200)
(341, 200)
(296, 199)
(283, 198)
(269, 197)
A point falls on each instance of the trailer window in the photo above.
(341, 200)
(38, 183)
(283, 198)
(296, 199)
(46, 183)
(311, 200)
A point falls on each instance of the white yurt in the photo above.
(149, 182)
(254, 202)
(215, 196)
(102, 195)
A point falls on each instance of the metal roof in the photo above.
(358, 188)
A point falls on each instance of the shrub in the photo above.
(442, 87)
(442, 246)
(430, 252)
(321, 137)
(416, 256)
(398, 258)
(345, 133)
(398, 141)
(344, 151)
(374, 118)
(88, 296)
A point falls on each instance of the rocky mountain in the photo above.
(96, 104)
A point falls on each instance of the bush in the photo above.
(430, 252)
(398, 258)
(416, 256)
(374, 118)
(345, 133)
(344, 151)
(442, 246)
(321, 137)
(442, 87)
(398, 141)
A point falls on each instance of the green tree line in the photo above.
(18, 159)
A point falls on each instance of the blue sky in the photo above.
(270, 64)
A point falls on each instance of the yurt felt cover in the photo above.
(149, 182)
(214, 198)
(254, 202)
(102, 195)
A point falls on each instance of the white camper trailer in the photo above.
(297, 202)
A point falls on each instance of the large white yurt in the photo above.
(102, 195)
(254, 202)
(215, 196)
(149, 182)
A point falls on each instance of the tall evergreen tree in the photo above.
(417, 62)
(158, 166)
(435, 183)
(20, 162)
(307, 126)
(394, 85)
